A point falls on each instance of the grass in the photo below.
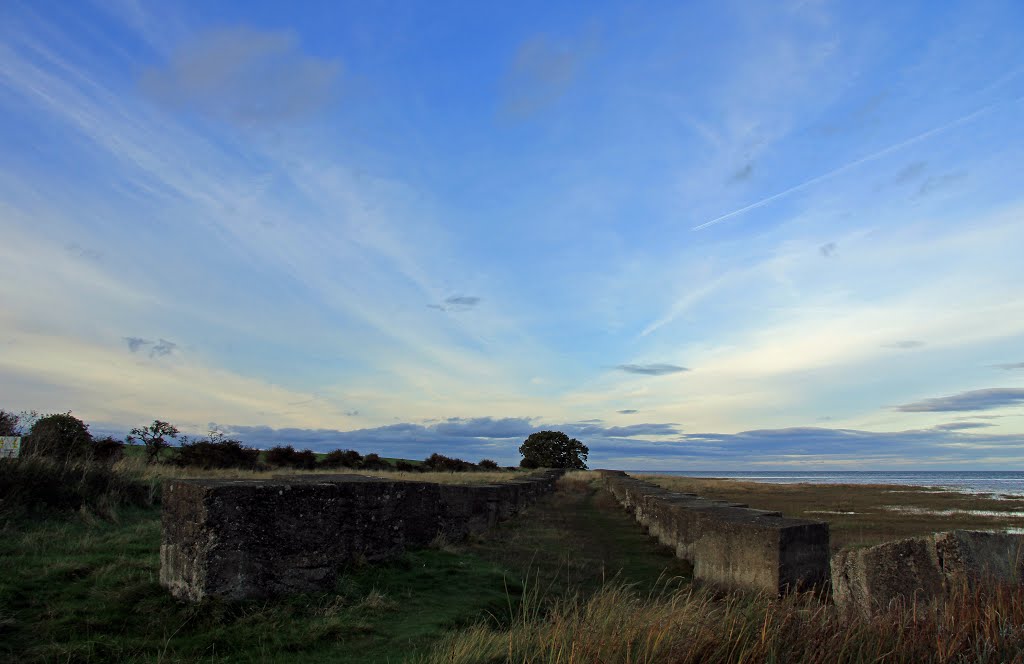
(620, 624)
(33, 485)
(573, 580)
(578, 540)
(135, 464)
(76, 590)
(861, 515)
(79, 588)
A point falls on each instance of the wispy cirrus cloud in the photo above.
(136, 343)
(457, 303)
(874, 156)
(904, 344)
(656, 369)
(986, 399)
(937, 183)
(163, 348)
(962, 426)
(160, 348)
(910, 172)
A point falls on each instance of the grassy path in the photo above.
(577, 539)
(86, 590)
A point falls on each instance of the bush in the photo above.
(61, 437)
(441, 463)
(285, 455)
(528, 463)
(373, 461)
(107, 450)
(407, 467)
(488, 464)
(217, 453)
(305, 460)
(342, 459)
(40, 484)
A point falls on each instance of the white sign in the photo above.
(10, 447)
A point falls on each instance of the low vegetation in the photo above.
(62, 467)
(576, 580)
(620, 624)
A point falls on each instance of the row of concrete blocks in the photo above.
(729, 544)
(243, 539)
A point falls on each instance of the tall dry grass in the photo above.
(137, 465)
(576, 480)
(35, 484)
(619, 625)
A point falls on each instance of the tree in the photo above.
(216, 451)
(553, 449)
(373, 461)
(59, 436)
(342, 459)
(9, 425)
(107, 450)
(154, 437)
(441, 463)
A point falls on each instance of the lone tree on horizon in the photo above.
(154, 437)
(553, 449)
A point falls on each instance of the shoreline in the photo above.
(960, 481)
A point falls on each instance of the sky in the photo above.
(701, 235)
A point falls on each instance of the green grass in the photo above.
(579, 539)
(82, 589)
(575, 579)
(75, 590)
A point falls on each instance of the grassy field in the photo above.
(573, 580)
(81, 588)
(137, 465)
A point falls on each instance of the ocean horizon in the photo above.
(1000, 483)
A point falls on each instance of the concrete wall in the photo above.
(242, 539)
(923, 569)
(727, 543)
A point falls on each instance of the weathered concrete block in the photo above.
(923, 569)
(762, 553)
(256, 538)
(728, 543)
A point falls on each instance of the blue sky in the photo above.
(694, 235)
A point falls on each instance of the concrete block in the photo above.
(728, 543)
(923, 569)
(240, 539)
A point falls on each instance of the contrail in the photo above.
(854, 164)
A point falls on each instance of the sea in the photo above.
(1008, 483)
